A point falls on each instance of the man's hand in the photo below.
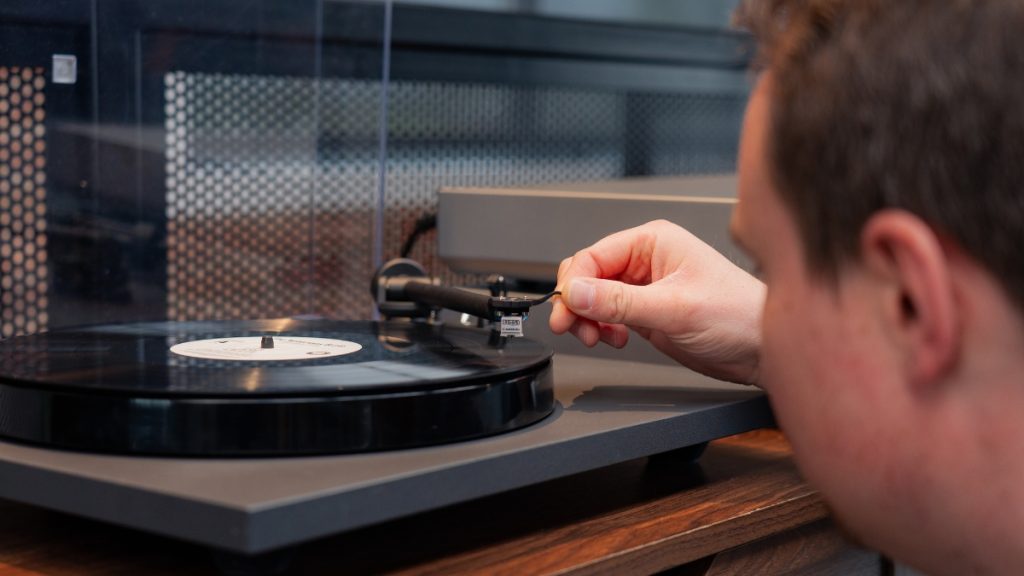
(667, 285)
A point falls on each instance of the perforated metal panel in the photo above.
(269, 196)
(444, 134)
(23, 271)
(347, 183)
(691, 134)
(482, 135)
(272, 181)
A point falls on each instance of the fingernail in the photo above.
(581, 294)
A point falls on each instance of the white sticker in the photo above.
(253, 348)
(65, 69)
(512, 326)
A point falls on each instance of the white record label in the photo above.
(252, 348)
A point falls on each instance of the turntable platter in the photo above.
(268, 387)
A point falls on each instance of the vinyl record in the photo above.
(268, 387)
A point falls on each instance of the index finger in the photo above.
(561, 318)
(625, 254)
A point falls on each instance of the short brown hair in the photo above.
(911, 104)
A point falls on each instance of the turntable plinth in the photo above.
(606, 413)
(635, 517)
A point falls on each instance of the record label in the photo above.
(268, 348)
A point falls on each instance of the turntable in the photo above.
(254, 436)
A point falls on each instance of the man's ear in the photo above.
(918, 292)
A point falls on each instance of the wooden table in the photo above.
(741, 509)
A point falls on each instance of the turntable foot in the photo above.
(684, 455)
(266, 564)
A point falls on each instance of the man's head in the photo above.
(914, 105)
(881, 154)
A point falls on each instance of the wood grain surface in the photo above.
(642, 516)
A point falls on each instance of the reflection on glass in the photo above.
(692, 13)
(215, 159)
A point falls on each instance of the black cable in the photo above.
(423, 225)
(545, 298)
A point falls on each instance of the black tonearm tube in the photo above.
(402, 288)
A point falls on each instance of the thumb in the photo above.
(614, 302)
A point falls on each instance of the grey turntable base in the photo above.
(609, 412)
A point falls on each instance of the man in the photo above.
(881, 195)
